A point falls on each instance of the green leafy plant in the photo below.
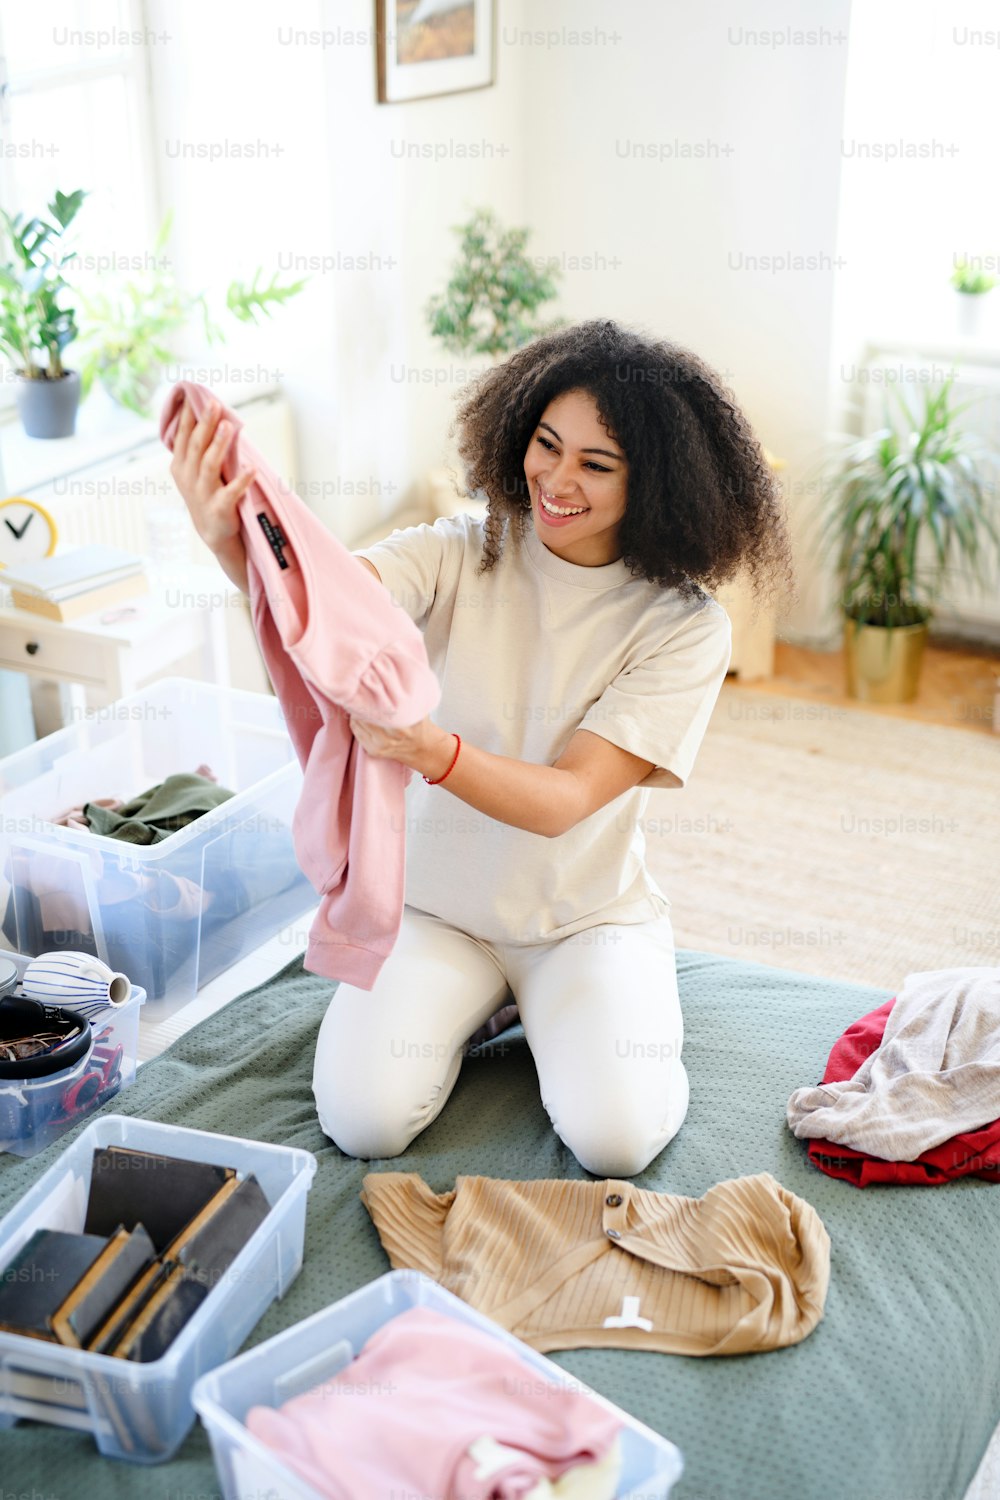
(35, 319)
(965, 279)
(128, 329)
(245, 302)
(490, 303)
(904, 506)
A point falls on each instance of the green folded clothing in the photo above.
(157, 813)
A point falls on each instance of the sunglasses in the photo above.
(15, 1048)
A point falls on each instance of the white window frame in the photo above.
(135, 66)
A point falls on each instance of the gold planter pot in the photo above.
(883, 666)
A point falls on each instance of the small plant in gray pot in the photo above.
(971, 286)
(908, 505)
(36, 322)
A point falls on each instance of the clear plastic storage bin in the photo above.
(171, 915)
(312, 1351)
(142, 1412)
(35, 1111)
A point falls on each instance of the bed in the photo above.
(893, 1397)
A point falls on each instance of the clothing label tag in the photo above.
(275, 536)
(584, 1480)
(629, 1316)
(489, 1456)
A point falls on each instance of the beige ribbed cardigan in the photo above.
(744, 1268)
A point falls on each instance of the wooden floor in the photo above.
(957, 685)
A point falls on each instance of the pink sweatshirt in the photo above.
(334, 645)
(434, 1407)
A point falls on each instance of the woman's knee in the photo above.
(367, 1119)
(364, 1134)
(371, 1101)
(621, 1136)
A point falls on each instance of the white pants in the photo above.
(601, 1016)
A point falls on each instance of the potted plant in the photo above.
(490, 303)
(35, 320)
(971, 287)
(906, 503)
(127, 328)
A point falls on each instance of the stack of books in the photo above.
(160, 1233)
(75, 583)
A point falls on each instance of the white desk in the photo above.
(97, 663)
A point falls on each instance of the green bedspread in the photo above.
(893, 1397)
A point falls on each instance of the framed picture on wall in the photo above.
(431, 47)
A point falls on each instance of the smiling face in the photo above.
(578, 481)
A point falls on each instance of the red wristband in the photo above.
(451, 768)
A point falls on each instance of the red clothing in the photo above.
(974, 1154)
(334, 644)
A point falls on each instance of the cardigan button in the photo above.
(614, 1200)
(613, 1234)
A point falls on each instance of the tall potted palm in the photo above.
(36, 322)
(907, 504)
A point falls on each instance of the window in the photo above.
(75, 114)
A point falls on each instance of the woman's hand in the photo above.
(423, 747)
(199, 449)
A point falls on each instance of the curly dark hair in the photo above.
(702, 502)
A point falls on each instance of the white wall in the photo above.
(919, 157)
(582, 87)
(372, 393)
(762, 103)
(922, 112)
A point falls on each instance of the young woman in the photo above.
(579, 658)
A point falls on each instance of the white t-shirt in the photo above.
(527, 654)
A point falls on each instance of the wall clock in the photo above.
(27, 532)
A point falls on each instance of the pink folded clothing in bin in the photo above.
(335, 645)
(432, 1406)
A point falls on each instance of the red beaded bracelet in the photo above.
(451, 768)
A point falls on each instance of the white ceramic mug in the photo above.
(76, 981)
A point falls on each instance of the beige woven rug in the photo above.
(834, 841)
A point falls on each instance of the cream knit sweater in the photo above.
(744, 1268)
(935, 1074)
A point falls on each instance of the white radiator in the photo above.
(965, 609)
(131, 501)
(121, 501)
